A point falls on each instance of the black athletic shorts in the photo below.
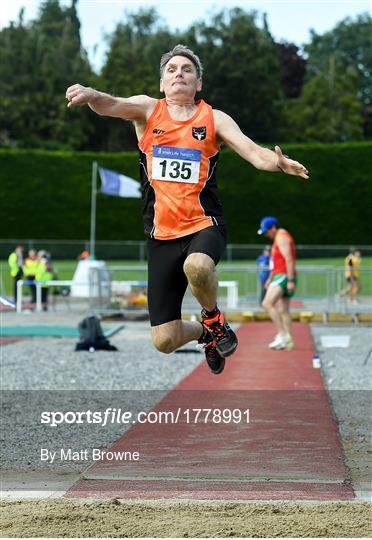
(167, 280)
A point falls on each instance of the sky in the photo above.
(289, 20)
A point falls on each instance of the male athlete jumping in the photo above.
(178, 140)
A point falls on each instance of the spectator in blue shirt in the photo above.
(263, 267)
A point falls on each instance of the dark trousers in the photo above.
(263, 292)
(44, 297)
(16, 279)
(31, 284)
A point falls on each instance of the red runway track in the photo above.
(289, 450)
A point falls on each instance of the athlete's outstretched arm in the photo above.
(132, 108)
(228, 131)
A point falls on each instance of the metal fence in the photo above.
(136, 250)
(71, 249)
(318, 289)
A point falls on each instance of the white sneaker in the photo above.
(278, 343)
(289, 343)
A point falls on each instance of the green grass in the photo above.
(309, 284)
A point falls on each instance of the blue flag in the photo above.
(119, 185)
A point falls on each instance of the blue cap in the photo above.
(266, 224)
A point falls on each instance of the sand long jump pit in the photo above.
(272, 447)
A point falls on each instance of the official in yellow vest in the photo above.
(15, 262)
(29, 272)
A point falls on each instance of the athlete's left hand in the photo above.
(290, 166)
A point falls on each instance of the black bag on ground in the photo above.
(91, 336)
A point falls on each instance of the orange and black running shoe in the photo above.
(225, 339)
(215, 361)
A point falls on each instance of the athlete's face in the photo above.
(271, 233)
(180, 78)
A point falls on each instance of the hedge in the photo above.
(47, 195)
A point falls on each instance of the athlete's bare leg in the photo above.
(170, 336)
(201, 274)
(273, 294)
(354, 289)
(282, 306)
(200, 271)
(357, 288)
(345, 291)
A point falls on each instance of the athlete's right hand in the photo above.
(79, 95)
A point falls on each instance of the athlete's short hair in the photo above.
(181, 50)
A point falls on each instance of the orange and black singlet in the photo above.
(178, 160)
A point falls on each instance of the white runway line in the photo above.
(35, 485)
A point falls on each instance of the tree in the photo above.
(16, 49)
(329, 109)
(242, 72)
(293, 69)
(247, 75)
(48, 57)
(350, 44)
(132, 67)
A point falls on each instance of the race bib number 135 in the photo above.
(173, 164)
